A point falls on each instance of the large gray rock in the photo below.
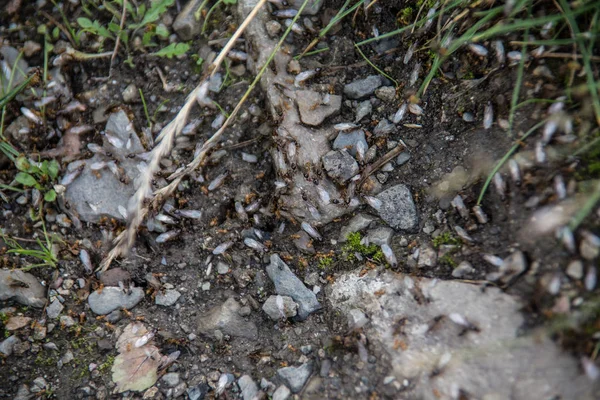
(288, 284)
(363, 87)
(94, 194)
(315, 108)
(295, 377)
(248, 387)
(278, 307)
(226, 319)
(340, 165)
(459, 338)
(348, 140)
(21, 287)
(398, 208)
(112, 298)
(186, 26)
(8, 344)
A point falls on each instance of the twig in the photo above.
(380, 163)
(60, 26)
(118, 41)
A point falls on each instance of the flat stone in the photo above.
(379, 236)
(386, 93)
(402, 158)
(168, 298)
(398, 209)
(295, 377)
(348, 140)
(463, 269)
(575, 269)
(226, 319)
(66, 321)
(288, 284)
(311, 8)
(303, 242)
(28, 291)
(113, 276)
(16, 322)
(427, 257)
(312, 109)
(222, 268)
(280, 307)
(340, 165)
(94, 194)
(363, 109)
(113, 298)
(186, 26)
(355, 224)
(248, 387)
(496, 357)
(54, 309)
(7, 345)
(363, 87)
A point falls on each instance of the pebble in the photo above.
(226, 319)
(282, 393)
(363, 109)
(295, 377)
(380, 236)
(340, 165)
(402, 158)
(398, 209)
(66, 321)
(312, 109)
(386, 93)
(575, 269)
(167, 298)
(384, 128)
(130, 94)
(348, 140)
(54, 309)
(288, 284)
(7, 345)
(304, 242)
(112, 298)
(248, 387)
(16, 322)
(463, 269)
(30, 293)
(278, 307)
(513, 266)
(273, 28)
(363, 87)
(427, 257)
(222, 268)
(356, 224)
(171, 379)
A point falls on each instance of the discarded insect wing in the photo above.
(306, 227)
(217, 182)
(459, 204)
(488, 116)
(254, 244)
(80, 129)
(70, 177)
(95, 148)
(361, 150)
(481, 216)
(122, 211)
(478, 50)
(415, 109)
(514, 56)
(222, 248)
(237, 55)
(44, 101)
(252, 207)
(144, 339)
(499, 184)
(323, 195)
(400, 113)
(389, 255)
(538, 52)
(499, 48)
(166, 219)
(373, 202)
(409, 53)
(97, 166)
(559, 187)
(191, 214)
(313, 212)
(280, 306)
(345, 126)
(30, 115)
(459, 319)
(84, 256)
(239, 209)
(163, 237)
(280, 162)
(591, 278)
(280, 184)
(414, 75)
(429, 17)
(190, 128)
(515, 171)
(554, 285)
(590, 368)
(549, 129)
(304, 76)
(493, 260)
(296, 27)
(285, 13)
(112, 166)
(113, 140)
(72, 107)
(463, 234)
(291, 152)
(218, 121)
(540, 153)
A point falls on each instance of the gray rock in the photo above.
(131, 94)
(248, 387)
(312, 110)
(575, 269)
(357, 319)
(38, 385)
(427, 257)
(363, 87)
(348, 140)
(312, 7)
(168, 298)
(286, 309)
(171, 379)
(463, 269)
(340, 165)
(7, 345)
(386, 93)
(226, 319)
(113, 298)
(23, 393)
(506, 362)
(295, 377)
(222, 268)
(67, 321)
(513, 266)
(273, 28)
(94, 194)
(288, 284)
(186, 26)
(398, 208)
(198, 392)
(22, 287)
(384, 128)
(402, 158)
(379, 236)
(54, 309)
(356, 224)
(363, 109)
(282, 393)
(304, 242)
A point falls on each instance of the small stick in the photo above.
(380, 163)
(118, 41)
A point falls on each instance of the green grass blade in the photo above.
(375, 67)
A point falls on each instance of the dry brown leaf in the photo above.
(136, 369)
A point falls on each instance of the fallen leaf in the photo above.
(136, 369)
(16, 322)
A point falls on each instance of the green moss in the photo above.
(45, 361)
(405, 15)
(428, 3)
(590, 165)
(325, 262)
(4, 318)
(353, 246)
(107, 365)
(469, 75)
(446, 238)
(448, 260)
